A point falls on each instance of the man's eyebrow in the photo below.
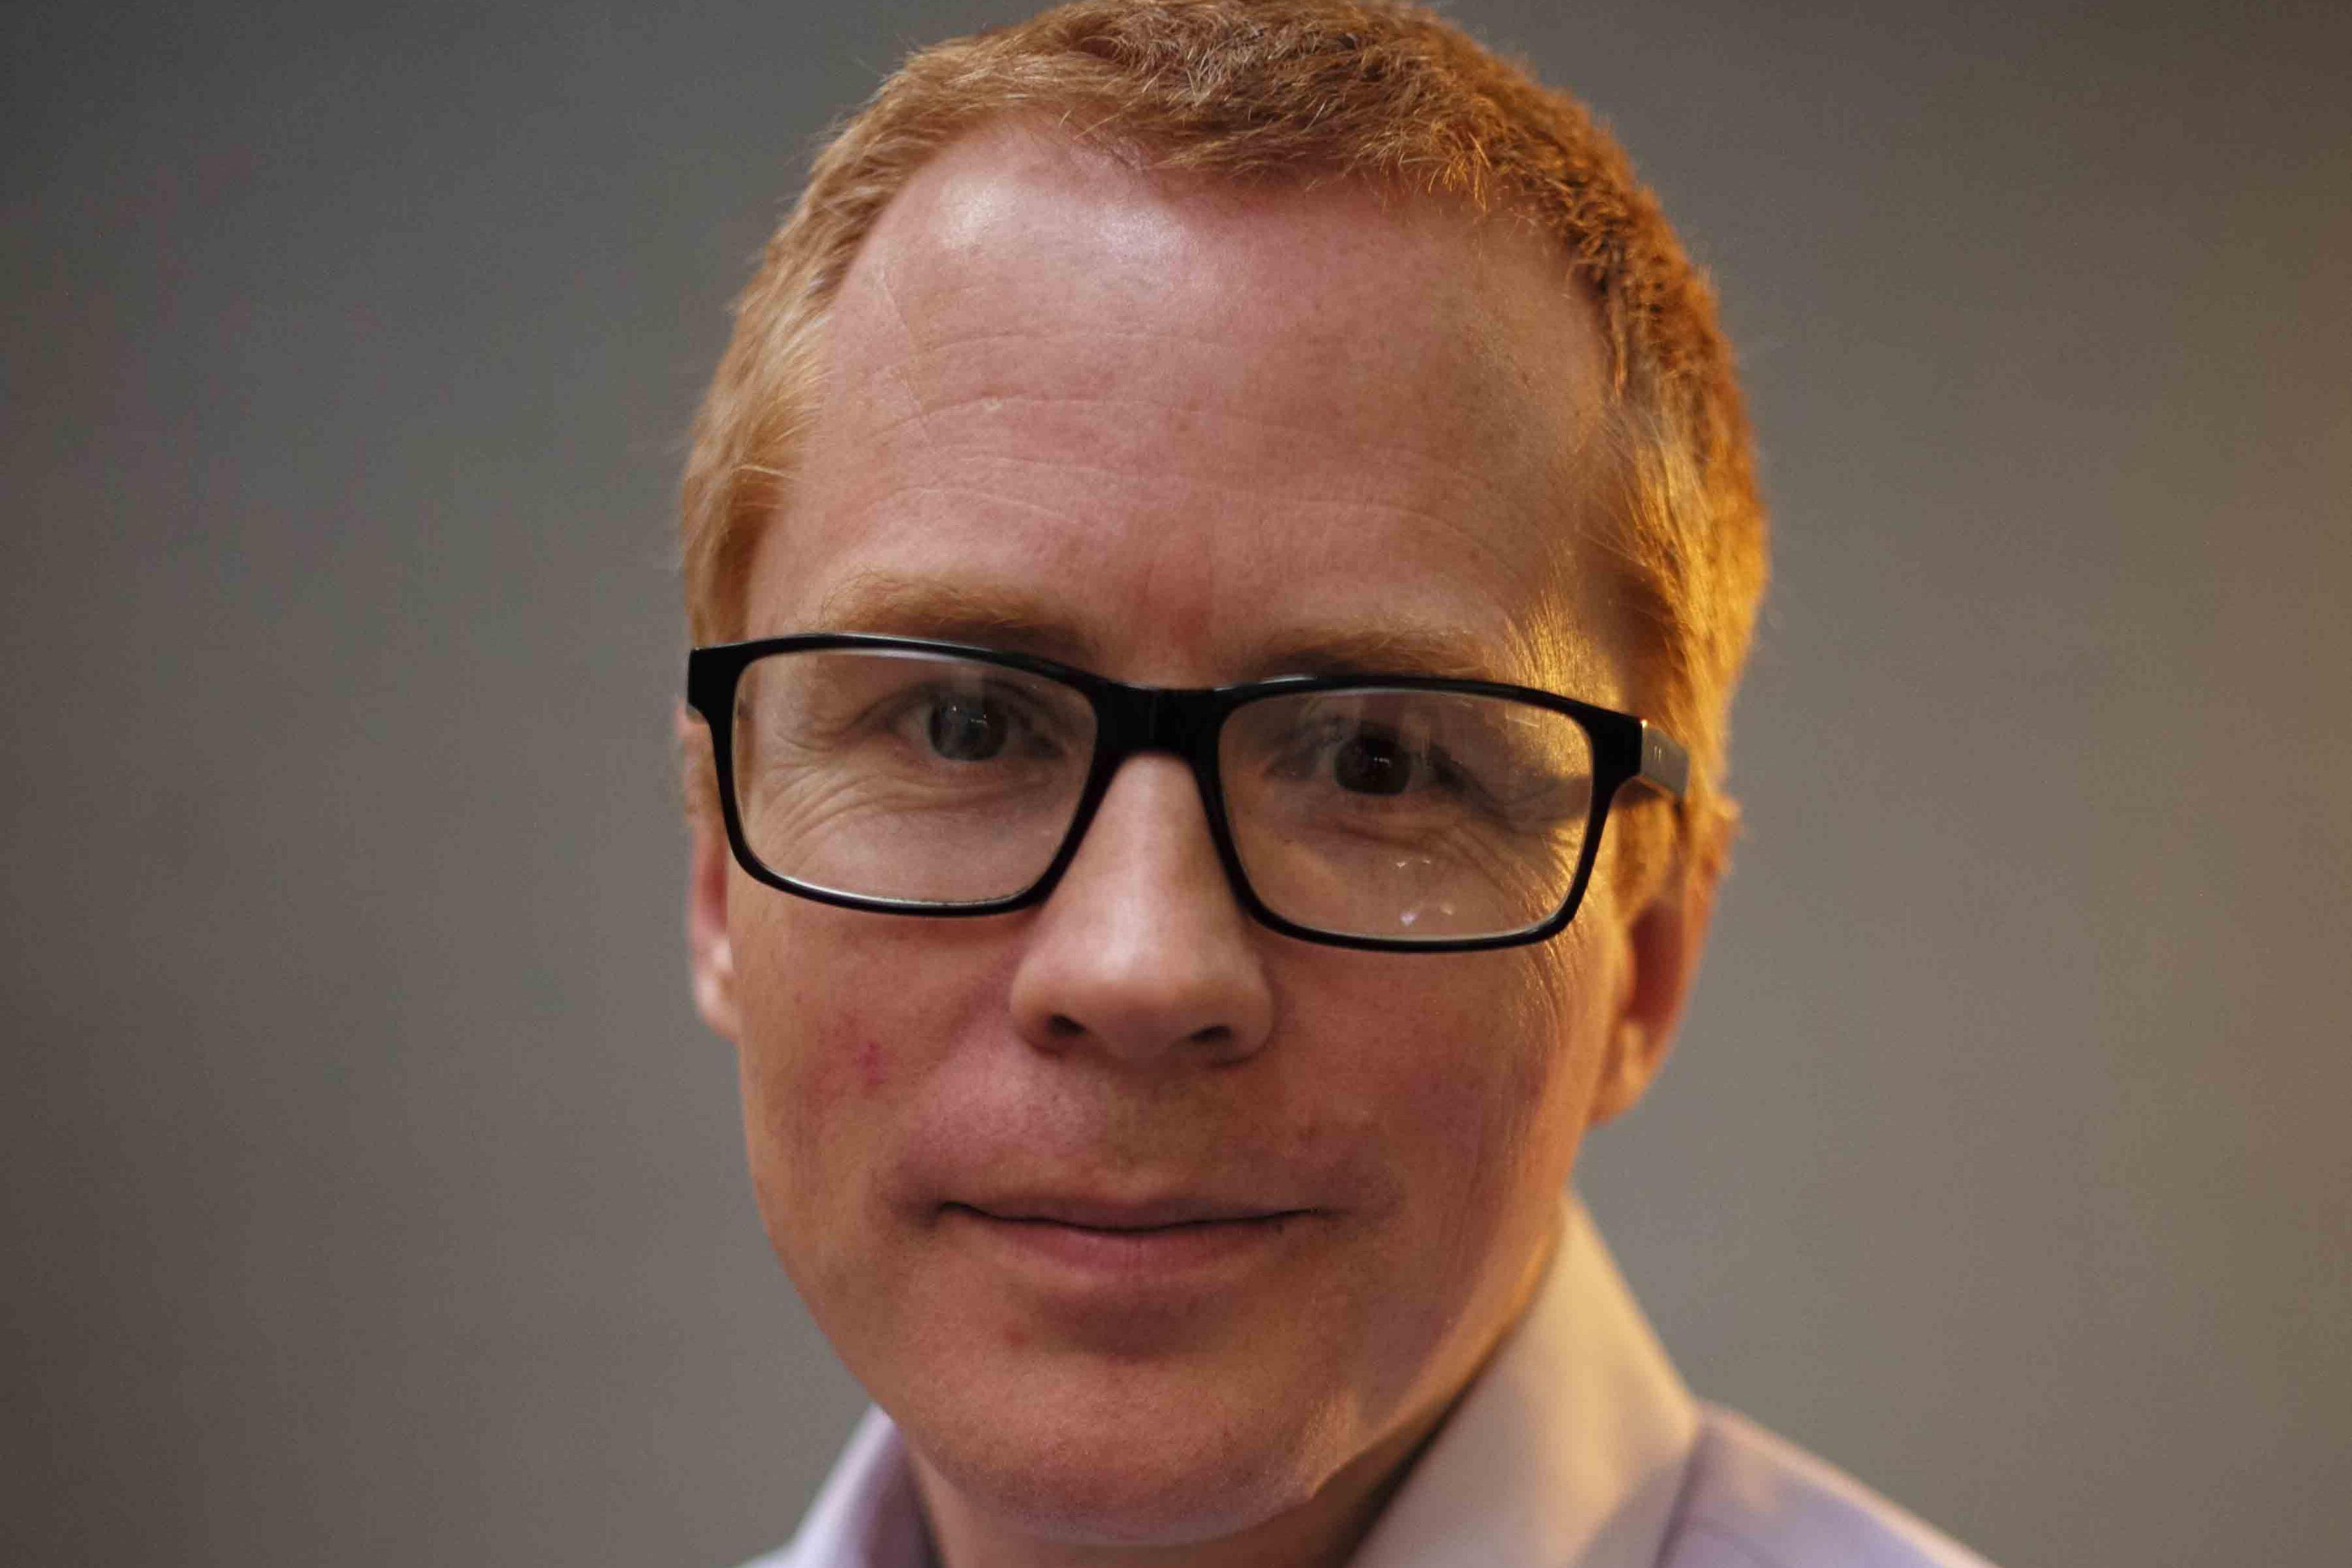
(1401, 650)
(984, 616)
(1007, 617)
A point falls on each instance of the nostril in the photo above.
(1214, 1035)
(1063, 1027)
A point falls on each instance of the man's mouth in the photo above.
(1110, 1214)
(1095, 1240)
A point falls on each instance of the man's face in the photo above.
(1180, 436)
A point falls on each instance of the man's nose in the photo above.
(1142, 952)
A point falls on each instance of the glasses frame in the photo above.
(1185, 721)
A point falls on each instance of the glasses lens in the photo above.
(891, 773)
(1429, 816)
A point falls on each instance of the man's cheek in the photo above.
(816, 1094)
(841, 1037)
(795, 1074)
(805, 1048)
(817, 1129)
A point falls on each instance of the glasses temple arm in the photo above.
(1665, 766)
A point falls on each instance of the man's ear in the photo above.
(710, 950)
(1663, 940)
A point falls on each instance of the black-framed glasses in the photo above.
(1391, 812)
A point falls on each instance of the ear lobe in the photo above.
(1663, 940)
(711, 950)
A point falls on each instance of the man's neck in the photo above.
(1322, 1532)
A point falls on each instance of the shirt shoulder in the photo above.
(1752, 1500)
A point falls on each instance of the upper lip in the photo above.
(1113, 1213)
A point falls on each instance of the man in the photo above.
(1198, 495)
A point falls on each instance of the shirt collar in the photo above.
(868, 1515)
(1568, 1448)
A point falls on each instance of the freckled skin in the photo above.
(1188, 418)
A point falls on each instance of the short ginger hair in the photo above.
(1291, 91)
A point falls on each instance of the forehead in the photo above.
(1180, 431)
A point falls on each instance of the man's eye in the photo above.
(966, 729)
(1366, 760)
(1374, 764)
(992, 724)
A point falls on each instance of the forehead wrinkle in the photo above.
(890, 373)
(938, 428)
(1444, 488)
(1365, 509)
(1362, 509)
(981, 495)
(1480, 358)
(1311, 498)
(1481, 362)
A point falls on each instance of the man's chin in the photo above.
(1172, 1470)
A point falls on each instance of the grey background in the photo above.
(371, 1193)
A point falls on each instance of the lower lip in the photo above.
(1159, 1252)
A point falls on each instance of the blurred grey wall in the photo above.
(371, 1193)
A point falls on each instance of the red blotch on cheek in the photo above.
(842, 1066)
